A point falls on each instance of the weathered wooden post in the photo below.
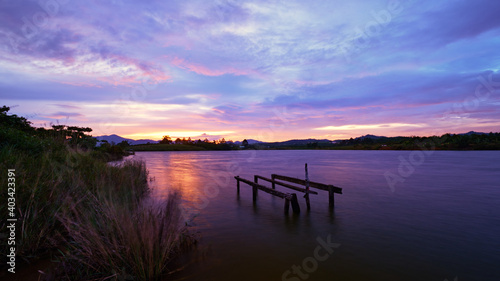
(331, 198)
(307, 190)
(295, 204)
(254, 188)
(273, 185)
(287, 205)
(256, 179)
(238, 183)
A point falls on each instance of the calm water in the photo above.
(442, 222)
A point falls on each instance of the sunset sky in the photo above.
(266, 70)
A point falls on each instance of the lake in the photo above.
(437, 218)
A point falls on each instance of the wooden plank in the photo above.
(265, 188)
(317, 185)
(286, 185)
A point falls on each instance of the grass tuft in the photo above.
(113, 238)
(93, 213)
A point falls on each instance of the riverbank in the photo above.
(85, 216)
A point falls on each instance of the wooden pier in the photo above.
(290, 198)
(326, 187)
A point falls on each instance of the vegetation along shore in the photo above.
(85, 215)
(466, 141)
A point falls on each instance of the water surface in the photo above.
(442, 222)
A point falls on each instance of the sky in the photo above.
(266, 70)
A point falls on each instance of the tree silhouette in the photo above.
(166, 140)
(124, 144)
(14, 121)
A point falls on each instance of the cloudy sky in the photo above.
(267, 70)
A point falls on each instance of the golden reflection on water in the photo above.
(176, 172)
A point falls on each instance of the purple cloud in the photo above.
(230, 65)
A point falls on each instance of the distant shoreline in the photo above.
(186, 147)
(470, 141)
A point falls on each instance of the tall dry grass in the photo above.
(94, 214)
(114, 238)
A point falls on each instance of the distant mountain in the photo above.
(369, 137)
(117, 139)
(472, 133)
(250, 141)
(143, 141)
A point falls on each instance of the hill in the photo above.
(117, 139)
(250, 141)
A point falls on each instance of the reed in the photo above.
(119, 240)
(94, 214)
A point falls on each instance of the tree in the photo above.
(166, 140)
(245, 143)
(312, 144)
(178, 141)
(14, 121)
(124, 144)
(77, 133)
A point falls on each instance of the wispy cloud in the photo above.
(224, 66)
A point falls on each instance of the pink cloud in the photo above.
(201, 69)
(61, 115)
(148, 71)
(218, 111)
